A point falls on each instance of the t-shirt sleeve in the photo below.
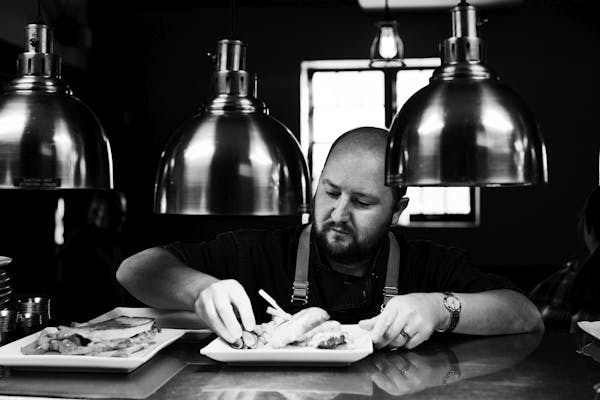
(450, 269)
(218, 257)
(257, 259)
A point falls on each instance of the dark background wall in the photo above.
(545, 52)
(146, 71)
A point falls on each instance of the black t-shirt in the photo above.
(265, 259)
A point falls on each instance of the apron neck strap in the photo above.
(300, 289)
(393, 267)
(300, 286)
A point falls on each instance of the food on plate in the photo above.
(309, 327)
(293, 329)
(116, 337)
(327, 335)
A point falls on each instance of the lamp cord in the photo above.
(232, 19)
(39, 12)
(387, 11)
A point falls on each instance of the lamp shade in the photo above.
(232, 158)
(387, 49)
(49, 139)
(466, 128)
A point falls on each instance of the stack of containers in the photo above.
(5, 287)
(8, 326)
(31, 314)
(34, 314)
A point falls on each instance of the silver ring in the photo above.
(405, 335)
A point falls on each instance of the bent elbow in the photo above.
(124, 272)
(532, 320)
(537, 324)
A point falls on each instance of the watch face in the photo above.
(453, 303)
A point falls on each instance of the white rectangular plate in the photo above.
(591, 327)
(360, 347)
(11, 356)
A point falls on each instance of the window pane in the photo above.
(458, 200)
(345, 88)
(439, 200)
(343, 100)
(408, 82)
(319, 155)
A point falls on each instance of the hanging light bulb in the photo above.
(465, 128)
(387, 49)
(49, 139)
(232, 158)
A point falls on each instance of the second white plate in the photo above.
(591, 327)
(11, 356)
(360, 347)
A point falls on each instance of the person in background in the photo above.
(354, 258)
(88, 260)
(573, 293)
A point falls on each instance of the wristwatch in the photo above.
(452, 304)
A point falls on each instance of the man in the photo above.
(573, 294)
(345, 264)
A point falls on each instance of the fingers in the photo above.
(417, 339)
(405, 338)
(225, 311)
(217, 306)
(367, 324)
(382, 323)
(406, 321)
(206, 309)
(241, 302)
(394, 336)
(387, 328)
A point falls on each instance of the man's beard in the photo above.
(351, 252)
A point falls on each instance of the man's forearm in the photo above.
(497, 312)
(161, 280)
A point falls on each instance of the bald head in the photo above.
(366, 141)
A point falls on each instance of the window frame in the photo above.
(310, 67)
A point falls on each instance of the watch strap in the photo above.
(454, 313)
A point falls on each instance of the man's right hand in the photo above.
(219, 305)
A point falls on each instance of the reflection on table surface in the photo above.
(454, 367)
(395, 373)
(138, 384)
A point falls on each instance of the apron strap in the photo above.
(393, 266)
(300, 286)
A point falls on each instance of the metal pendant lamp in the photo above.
(232, 158)
(387, 49)
(49, 139)
(465, 128)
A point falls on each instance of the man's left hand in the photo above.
(407, 320)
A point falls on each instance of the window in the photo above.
(339, 95)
